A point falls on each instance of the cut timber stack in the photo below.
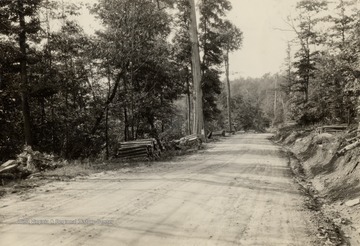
(331, 128)
(189, 141)
(141, 148)
(229, 133)
(219, 133)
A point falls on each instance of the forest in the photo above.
(77, 95)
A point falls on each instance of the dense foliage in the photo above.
(78, 95)
(252, 104)
(322, 81)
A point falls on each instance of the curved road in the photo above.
(237, 192)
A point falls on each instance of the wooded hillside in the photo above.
(77, 95)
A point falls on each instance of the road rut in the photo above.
(237, 192)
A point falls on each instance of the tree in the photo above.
(196, 72)
(19, 20)
(212, 13)
(250, 102)
(232, 41)
(182, 54)
(148, 82)
(308, 38)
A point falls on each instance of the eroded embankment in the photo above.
(335, 178)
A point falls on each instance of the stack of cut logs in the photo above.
(221, 133)
(331, 128)
(141, 148)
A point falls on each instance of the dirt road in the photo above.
(237, 192)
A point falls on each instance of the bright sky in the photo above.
(264, 46)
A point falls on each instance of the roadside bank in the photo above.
(324, 164)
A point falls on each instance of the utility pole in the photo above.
(196, 72)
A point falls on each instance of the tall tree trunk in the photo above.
(228, 89)
(132, 127)
(107, 134)
(126, 124)
(196, 72)
(358, 113)
(107, 117)
(188, 94)
(54, 147)
(66, 120)
(108, 102)
(284, 119)
(126, 118)
(275, 99)
(23, 76)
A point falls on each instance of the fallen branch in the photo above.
(348, 147)
(8, 167)
(351, 140)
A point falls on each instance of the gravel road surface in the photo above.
(236, 192)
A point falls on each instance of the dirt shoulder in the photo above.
(66, 171)
(331, 178)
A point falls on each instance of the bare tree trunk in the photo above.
(108, 101)
(23, 76)
(54, 147)
(107, 134)
(358, 114)
(188, 94)
(284, 119)
(196, 72)
(228, 89)
(275, 99)
(107, 118)
(126, 124)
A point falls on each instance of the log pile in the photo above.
(331, 128)
(141, 148)
(190, 141)
(218, 133)
(27, 162)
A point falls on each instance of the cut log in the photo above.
(139, 148)
(351, 140)
(8, 167)
(348, 147)
(190, 141)
(331, 128)
(8, 163)
(353, 202)
(219, 133)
